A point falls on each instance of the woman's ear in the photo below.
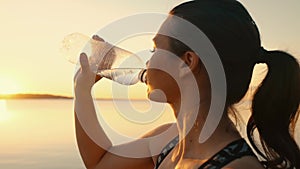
(190, 62)
(191, 59)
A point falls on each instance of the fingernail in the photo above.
(96, 37)
(82, 56)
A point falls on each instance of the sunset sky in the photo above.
(32, 30)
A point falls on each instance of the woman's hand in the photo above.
(85, 78)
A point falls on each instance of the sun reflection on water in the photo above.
(4, 114)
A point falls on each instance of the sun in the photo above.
(8, 86)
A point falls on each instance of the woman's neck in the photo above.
(224, 133)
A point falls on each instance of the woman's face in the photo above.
(162, 72)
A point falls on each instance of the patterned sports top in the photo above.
(229, 153)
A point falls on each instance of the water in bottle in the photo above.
(125, 76)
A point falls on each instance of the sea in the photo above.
(40, 133)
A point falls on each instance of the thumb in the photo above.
(84, 63)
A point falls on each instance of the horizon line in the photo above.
(52, 96)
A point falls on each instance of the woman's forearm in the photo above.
(89, 133)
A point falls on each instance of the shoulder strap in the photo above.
(232, 151)
(166, 150)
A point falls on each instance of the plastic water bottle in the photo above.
(105, 59)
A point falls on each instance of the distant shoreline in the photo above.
(32, 96)
(50, 96)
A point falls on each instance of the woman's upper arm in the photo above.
(113, 161)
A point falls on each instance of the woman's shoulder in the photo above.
(160, 129)
(157, 145)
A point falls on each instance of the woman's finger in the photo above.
(96, 37)
(84, 63)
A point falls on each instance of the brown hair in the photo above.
(275, 106)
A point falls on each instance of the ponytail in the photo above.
(275, 110)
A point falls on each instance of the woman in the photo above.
(235, 37)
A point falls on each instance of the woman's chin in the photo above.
(157, 95)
